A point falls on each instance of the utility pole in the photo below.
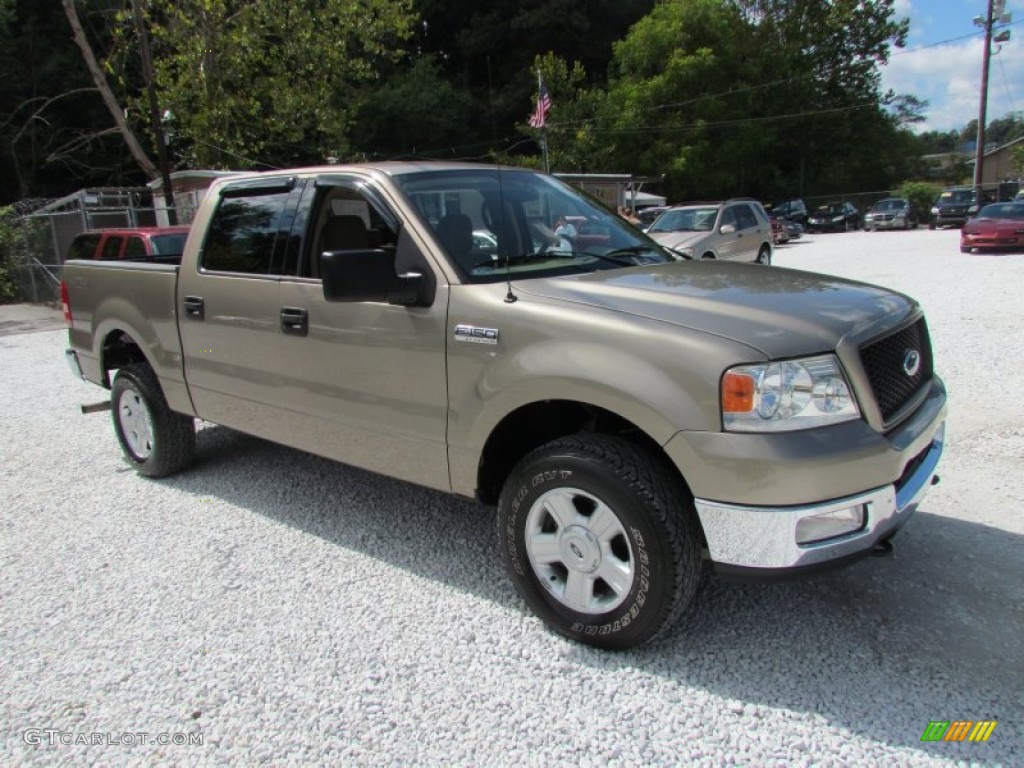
(995, 14)
(155, 124)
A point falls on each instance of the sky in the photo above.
(942, 62)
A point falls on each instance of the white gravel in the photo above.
(292, 611)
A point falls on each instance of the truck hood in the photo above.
(780, 312)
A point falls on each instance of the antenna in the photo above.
(510, 298)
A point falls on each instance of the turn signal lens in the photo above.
(737, 393)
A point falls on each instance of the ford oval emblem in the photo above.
(911, 362)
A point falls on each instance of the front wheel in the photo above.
(155, 440)
(601, 540)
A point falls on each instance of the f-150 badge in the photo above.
(476, 335)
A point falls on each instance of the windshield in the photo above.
(830, 210)
(496, 224)
(956, 196)
(889, 205)
(686, 220)
(1002, 211)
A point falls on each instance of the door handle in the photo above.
(194, 307)
(294, 321)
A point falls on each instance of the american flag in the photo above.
(539, 116)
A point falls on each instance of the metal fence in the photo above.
(43, 229)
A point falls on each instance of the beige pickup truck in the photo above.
(637, 418)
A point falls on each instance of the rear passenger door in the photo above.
(229, 308)
(750, 233)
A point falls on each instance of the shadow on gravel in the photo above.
(933, 632)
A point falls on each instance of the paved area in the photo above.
(28, 318)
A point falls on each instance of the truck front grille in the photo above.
(889, 363)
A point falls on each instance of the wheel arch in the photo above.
(116, 350)
(537, 423)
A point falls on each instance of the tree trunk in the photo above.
(147, 165)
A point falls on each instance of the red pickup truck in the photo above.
(149, 243)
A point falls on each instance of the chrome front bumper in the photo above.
(755, 538)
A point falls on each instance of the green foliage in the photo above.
(275, 81)
(1017, 157)
(921, 196)
(8, 240)
(759, 97)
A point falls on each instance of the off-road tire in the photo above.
(155, 440)
(657, 539)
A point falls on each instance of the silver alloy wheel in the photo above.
(579, 550)
(136, 423)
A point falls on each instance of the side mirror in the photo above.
(727, 229)
(369, 275)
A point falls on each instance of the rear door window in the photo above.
(112, 248)
(244, 231)
(745, 217)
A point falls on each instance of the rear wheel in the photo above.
(155, 440)
(601, 540)
(764, 256)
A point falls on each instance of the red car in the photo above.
(779, 233)
(143, 243)
(996, 227)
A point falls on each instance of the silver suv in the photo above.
(736, 230)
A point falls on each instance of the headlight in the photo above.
(786, 395)
(686, 253)
(837, 218)
(935, 211)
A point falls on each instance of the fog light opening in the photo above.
(828, 525)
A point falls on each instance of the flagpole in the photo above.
(543, 128)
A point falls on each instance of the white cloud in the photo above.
(949, 78)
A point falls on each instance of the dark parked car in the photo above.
(953, 207)
(997, 227)
(890, 213)
(794, 210)
(834, 217)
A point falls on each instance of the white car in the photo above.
(736, 230)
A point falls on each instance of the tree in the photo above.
(268, 83)
(55, 136)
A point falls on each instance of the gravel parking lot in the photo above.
(282, 609)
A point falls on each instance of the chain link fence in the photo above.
(35, 236)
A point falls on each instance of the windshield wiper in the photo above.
(618, 255)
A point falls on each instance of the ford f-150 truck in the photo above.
(636, 418)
